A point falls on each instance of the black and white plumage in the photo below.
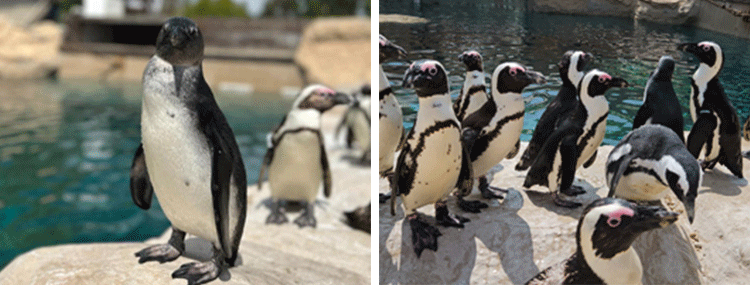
(432, 161)
(648, 161)
(474, 91)
(356, 123)
(493, 131)
(391, 118)
(660, 105)
(716, 128)
(296, 158)
(188, 156)
(576, 140)
(604, 236)
(571, 69)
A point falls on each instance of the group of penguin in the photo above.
(189, 156)
(453, 144)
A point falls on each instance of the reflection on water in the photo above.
(502, 31)
(65, 154)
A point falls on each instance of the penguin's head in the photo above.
(390, 51)
(609, 226)
(427, 77)
(472, 59)
(572, 66)
(180, 42)
(664, 69)
(709, 53)
(684, 176)
(513, 77)
(319, 97)
(596, 82)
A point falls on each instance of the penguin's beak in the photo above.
(652, 217)
(587, 58)
(341, 98)
(618, 82)
(414, 77)
(689, 47)
(533, 77)
(178, 38)
(391, 51)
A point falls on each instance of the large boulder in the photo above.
(29, 52)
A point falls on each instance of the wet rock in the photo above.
(29, 52)
(673, 12)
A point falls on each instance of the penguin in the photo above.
(432, 161)
(474, 91)
(746, 135)
(359, 218)
(604, 238)
(576, 139)
(648, 161)
(660, 105)
(296, 159)
(571, 68)
(490, 132)
(716, 128)
(356, 121)
(391, 118)
(188, 156)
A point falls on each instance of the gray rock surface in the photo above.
(524, 233)
(660, 11)
(332, 253)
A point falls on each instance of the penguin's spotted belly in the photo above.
(432, 180)
(178, 169)
(295, 172)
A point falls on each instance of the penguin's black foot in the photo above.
(490, 192)
(746, 154)
(447, 219)
(471, 206)
(573, 190)
(198, 272)
(276, 218)
(565, 203)
(423, 235)
(708, 164)
(384, 197)
(307, 219)
(161, 253)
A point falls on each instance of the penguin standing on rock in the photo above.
(432, 161)
(576, 139)
(188, 156)
(296, 159)
(490, 132)
(650, 160)
(391, 118)
(660, 105)
(571, 69)
(356, 122)
(716, 128)
(474, 91)
(604, 255)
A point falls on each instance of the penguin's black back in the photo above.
(662, 107)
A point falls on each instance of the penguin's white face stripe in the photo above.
(705, 72)
(624, 267)
(573, 74)
(661, 166)
(597, 106)
(619, 153)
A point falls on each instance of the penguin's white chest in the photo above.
(437, 168)
(178, 159)
(295, 173)
(640, 186)
(506, 138)
(390, 130)
(593, 143)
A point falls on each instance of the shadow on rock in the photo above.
(668, 256)
(546, 199)
(721, 183)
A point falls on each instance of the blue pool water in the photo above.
(503, 31)
(65, 155)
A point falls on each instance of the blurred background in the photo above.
(70, 99)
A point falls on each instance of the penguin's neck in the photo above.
(473, 78)
(574, 76)
(705, 73)
(508, 99)
(595, 107)
(302, 118)
(623, 268)
(435, 108)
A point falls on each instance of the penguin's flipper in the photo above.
(222, 164)
(641, 117)
(622, 165)
(264, 166)
(542, 165)
(325, 166)
(466, 176)
(403, 173)
(141, 189)
(513, 152)
(591, 159)
(569, 157)
(702, 130)
(731, 146)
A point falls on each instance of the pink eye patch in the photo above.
(326, 90)
(604, 77)
(518, 69)
(616, 216)
(427, 65)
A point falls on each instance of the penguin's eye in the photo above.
(613, 222)
(602, 79)
(193, 30)
(432, 71)
(513, 72)
(706, 47)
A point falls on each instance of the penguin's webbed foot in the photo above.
(471, 206)
(307, 219)
(198, 272)
(565, 203)
(161, 253)
(573, 190)
(491, 192)
(276, 218)
(384, 197)
(423, 235)
(708, 164)
(447, 219)
(746, 154)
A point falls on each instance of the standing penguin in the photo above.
(491, 131)
(604, 255)
(576, 139)
(716, 128)
(432, 161)
(296, 158)
(391, 120)
(650, 160)
(356, 121)
(474, 92)
(660, 105)
(571, 69)
(188, 156)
